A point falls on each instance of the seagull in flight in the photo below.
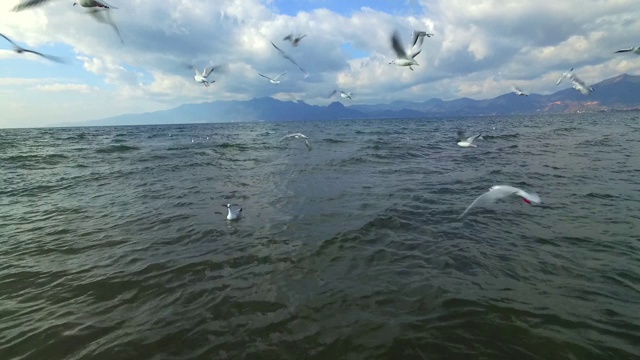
(294, 39)
(567, 74)
(468, 142)
(298, 136)
(497, 192)
(202, 77)
(518, 92)
(581, 86)
(406, 58)
(286, 56)
(346, 95)
(275, 79)
(84, 3)
(635, 50)
(19, 49)
(233, 213)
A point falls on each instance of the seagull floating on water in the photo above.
(20, 50)
(202, 77)
(233, 213)
(294, 39)
(275, 79)
(518, 92)
(298, 136)
(84, 3)
(468, 142)
(497, 192)
(346, 95)
(635, 50)
(406, 58)
(567, 74)
(286, 56)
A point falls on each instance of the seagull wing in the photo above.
(288, 37)
(460, 135)
(48, 57)
(530, 197)
(277, 48)
(413, 55)
(28, 4)
(264, 76)
(286, 136)
(104, 4)
(12, 43)
(470, 140)
(624, 50)
(486, 198)
(418, 36)
(276, 78)
(196, 70)
(104, 16)
(397, 46)
(306, 142)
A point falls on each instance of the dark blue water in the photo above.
(114, 242)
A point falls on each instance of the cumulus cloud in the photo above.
(79, 88)
(479, 50)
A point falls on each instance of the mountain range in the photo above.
(615, 94)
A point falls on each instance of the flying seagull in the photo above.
(202, 77)
(275, 79)
(346, 95)
(284, 55)
(294, 39)
(233, 213)
(518, 92)
(84, 3)
(20, 50)
(635, 50)
(581, 86)
(468, 142)
(497, 192)
(298, 136)
(404, 58)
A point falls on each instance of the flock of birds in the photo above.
(100, 11)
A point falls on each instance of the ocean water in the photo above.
(114, 242)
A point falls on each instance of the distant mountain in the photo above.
(619, 93)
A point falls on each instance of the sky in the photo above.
(480, 49)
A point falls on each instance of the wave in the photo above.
(116, 149)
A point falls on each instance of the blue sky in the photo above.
(480, 49)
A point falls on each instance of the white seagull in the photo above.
(294, 39)
(497, 192)
(346, 95)
(581, 86)
(298, 136)
(233, 213)
(20, 50)
(518, 92)
(404, 58)
(286, 56)
(566, 74)
(635, 50)
(84, 3)
(468, 142)
(202, 77)
(275, 79)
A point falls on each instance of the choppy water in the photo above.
(114, 242)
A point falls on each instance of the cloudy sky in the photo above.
(480, 49)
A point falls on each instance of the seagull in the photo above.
(404, 58)
(275, 79)
(284, 55)
(233, 213)
(580, 86)
(501, 191)
(202, 77)
(298, 136)
(103, 15)
(20, 50)
(342, 94)
(294, 39)
(469, 141)
(518, 92)
(635, 50)
(566, 74)
(84, 3)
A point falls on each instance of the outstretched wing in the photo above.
(264, 76)
(276, 78)
(11, 41)
(28, 4)
(332, 93)
(306, 142)
(397, 46)
(624, 50)
(460, 135)
(472, 138)
(48, 57)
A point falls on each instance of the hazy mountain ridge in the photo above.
(618, 93)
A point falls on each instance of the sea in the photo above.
(114, 242)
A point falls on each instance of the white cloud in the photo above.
(479, 50)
